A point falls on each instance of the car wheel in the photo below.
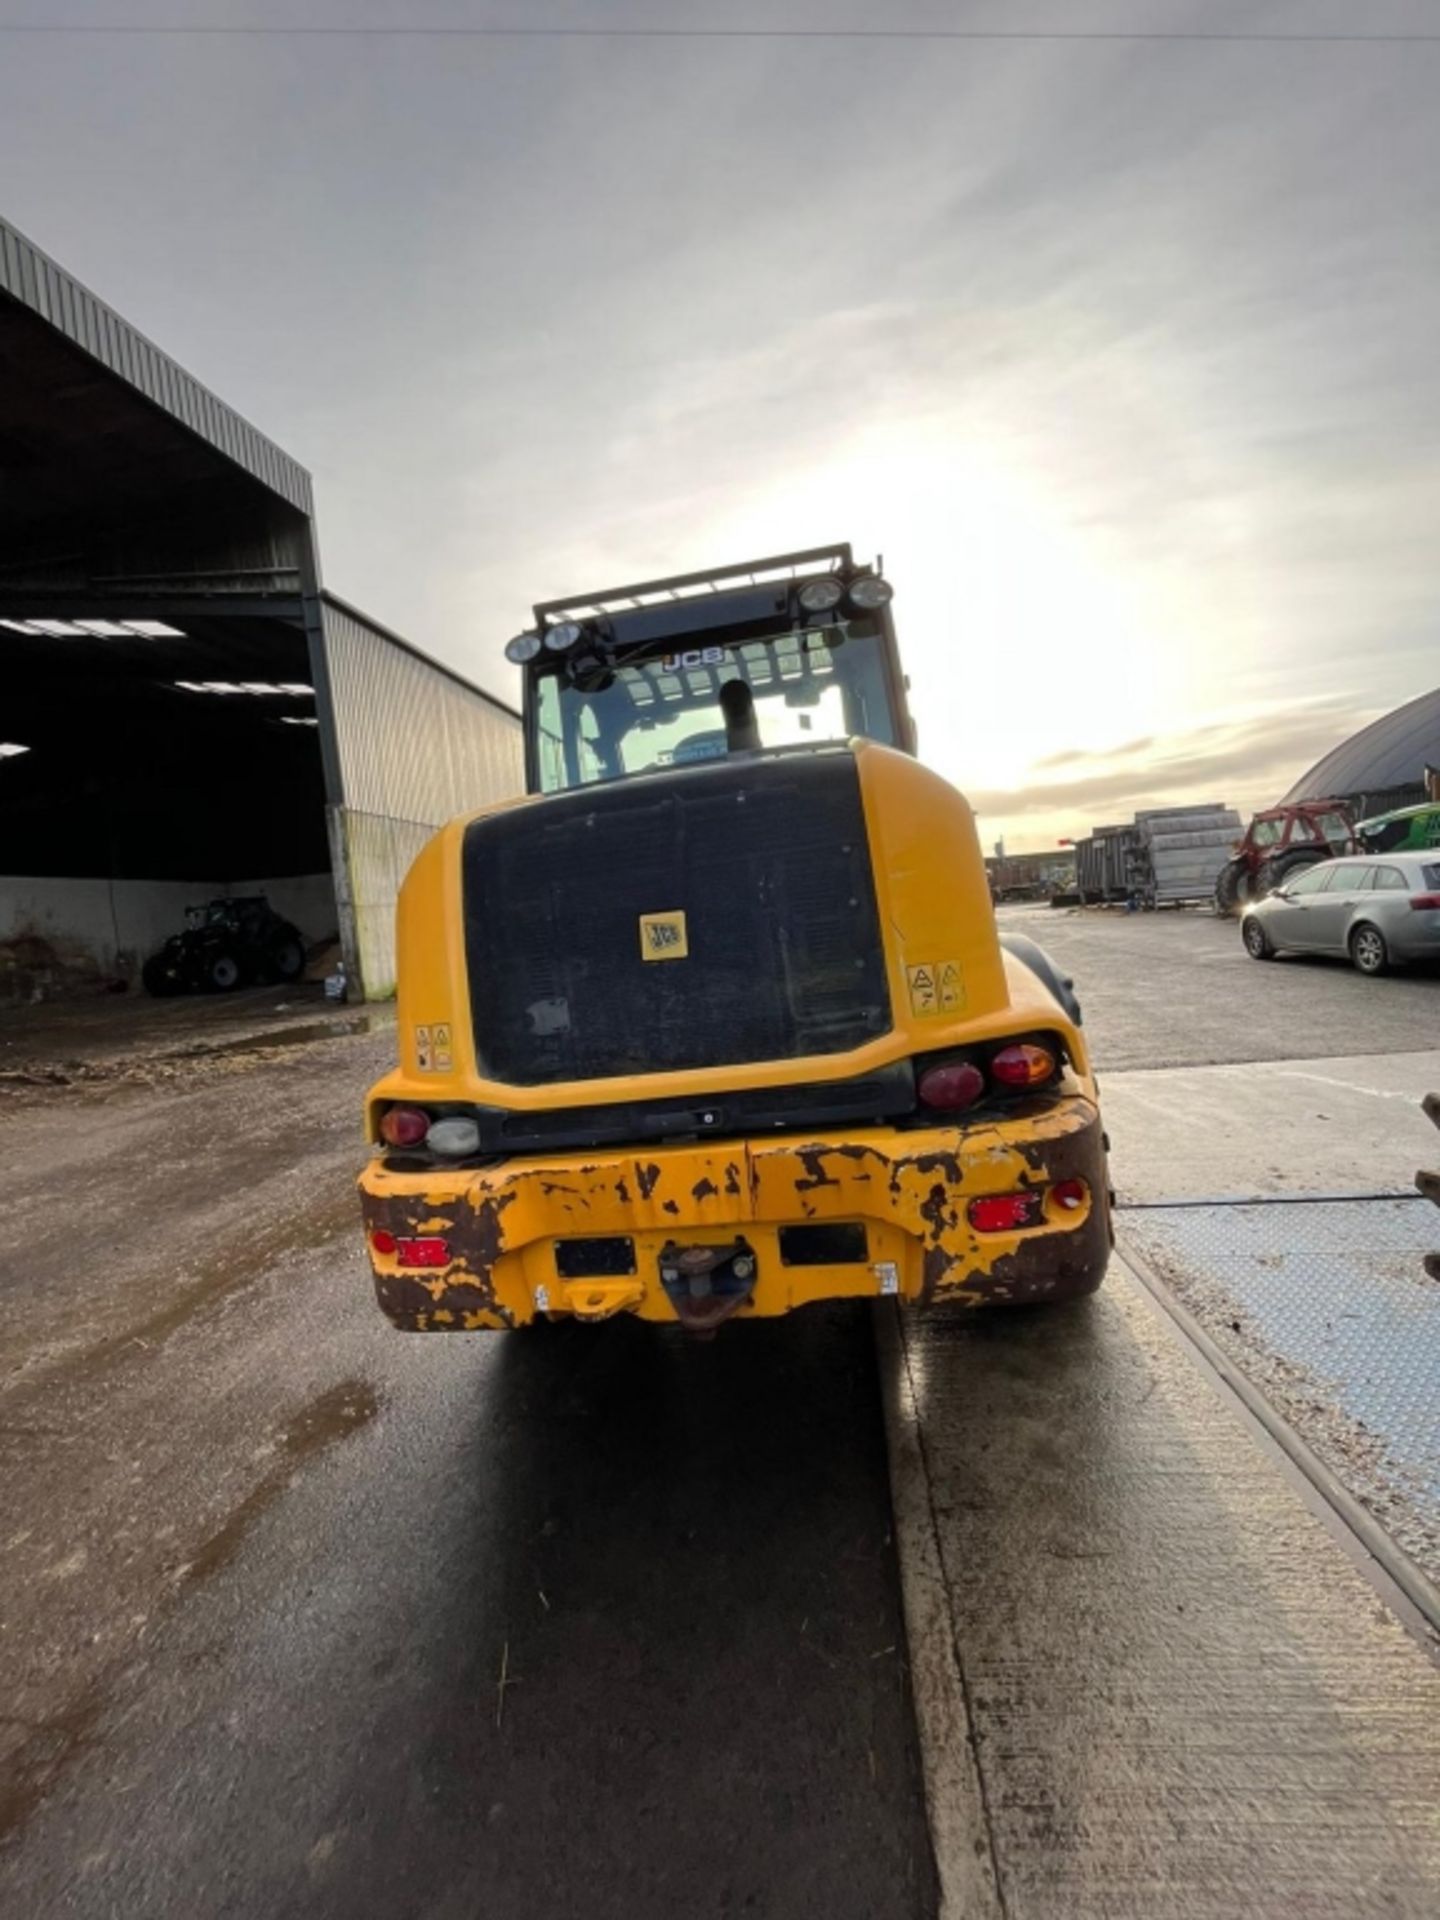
(1257, 941)
(1368, 951)
(222, 972)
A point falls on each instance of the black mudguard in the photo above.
(1032, 955)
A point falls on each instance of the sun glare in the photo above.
(1020, 645)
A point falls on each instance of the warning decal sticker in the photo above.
(924, 994)
(424, 1050)
(935, 987)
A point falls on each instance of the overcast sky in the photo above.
(1125, 354)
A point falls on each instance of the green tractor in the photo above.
(225, 944)
(1406, 830)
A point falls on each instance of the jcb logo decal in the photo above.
(696, 657)
(663, 936)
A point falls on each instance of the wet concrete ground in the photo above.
(301, 1616)
(115, 1036)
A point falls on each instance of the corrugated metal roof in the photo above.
(1392, 751)
(34, 279)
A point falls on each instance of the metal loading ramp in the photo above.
(1327, 1306)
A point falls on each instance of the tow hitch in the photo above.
(706, 1284)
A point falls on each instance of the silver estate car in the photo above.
(1378, 912)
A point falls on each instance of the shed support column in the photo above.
(335, 822)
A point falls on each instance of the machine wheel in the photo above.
(1257, 941)
(1233, 887)
(287, 956)
(222, 971)
(1273, 872)
(159, 978)
(1368, 952)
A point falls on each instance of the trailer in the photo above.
(1178, 852)
(1102, 865)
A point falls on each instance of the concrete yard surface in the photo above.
(1274, 1128)
(300, 1616)
(1183, 1696)
(1176, 988)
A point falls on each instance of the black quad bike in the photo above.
(225, 944)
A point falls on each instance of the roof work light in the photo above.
(563, 635)
(819, 596)
(870, 591)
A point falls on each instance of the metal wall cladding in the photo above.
(377, 855)
(34, 279)
(1364, 806)
(414, 743)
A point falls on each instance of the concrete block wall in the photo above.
(62, 936)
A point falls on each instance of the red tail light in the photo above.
(424, 1253)
(1425, 902)
(404, 1126)
(1070, 1194)
(1005, 1212)
(951, 1086)
(382, 1241)
(1023, 1065)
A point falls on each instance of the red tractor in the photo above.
(1277, 842)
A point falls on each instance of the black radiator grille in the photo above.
(767, 859)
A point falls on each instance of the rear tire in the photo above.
(1233, 887)
(1275, 872)
(1257, 941)
(287, 957)
(1368, 952)
(223, 972)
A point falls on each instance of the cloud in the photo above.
(1215, 762)
(1074, 757)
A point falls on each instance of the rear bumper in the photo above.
(909, 1191)
(1416, 937)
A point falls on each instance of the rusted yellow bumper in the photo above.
(497, 1228)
